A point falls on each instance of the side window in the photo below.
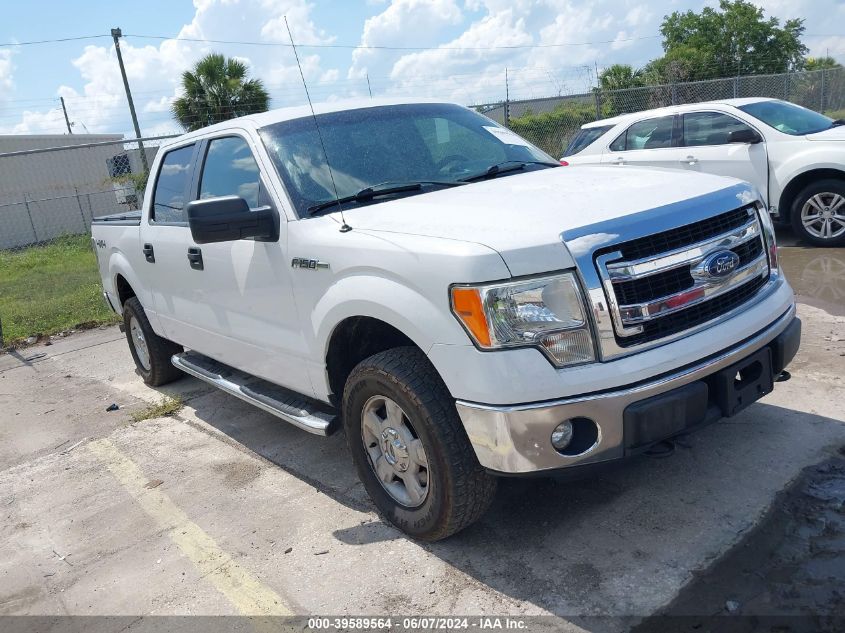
(710, 128)
(230, 170)
(172, 183)
(584, 138)
(648, 134)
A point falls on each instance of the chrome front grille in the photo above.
(656, 286)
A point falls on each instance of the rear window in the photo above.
(649, 134)
(585, 138)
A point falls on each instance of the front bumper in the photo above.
(516, 439)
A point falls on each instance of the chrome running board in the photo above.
(290, 406)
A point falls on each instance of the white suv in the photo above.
(794, 156)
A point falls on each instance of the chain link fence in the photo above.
(551, 122)
(51, 187)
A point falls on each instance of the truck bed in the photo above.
(126, 218)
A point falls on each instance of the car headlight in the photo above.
(768, 235)
(547, 313)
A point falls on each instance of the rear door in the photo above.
(706, 148)
(650, 142)
(164, 240)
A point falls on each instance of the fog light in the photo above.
(562, 435)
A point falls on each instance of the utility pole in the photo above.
(507, 101)
(67, 120)
(116, 35)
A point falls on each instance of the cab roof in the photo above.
(254, 121)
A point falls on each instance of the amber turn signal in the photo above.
(466, 304)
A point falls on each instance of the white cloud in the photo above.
(6, 72)
(555, 47)
(423, 18)
(154, 71)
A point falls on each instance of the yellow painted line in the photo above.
(242, 588)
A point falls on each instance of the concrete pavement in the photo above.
(224, 509)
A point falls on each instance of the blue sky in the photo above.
(570, 39)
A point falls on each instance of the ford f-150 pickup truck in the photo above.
(460, 304)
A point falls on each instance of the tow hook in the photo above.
(783, 376)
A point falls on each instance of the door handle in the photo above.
(689, 160)
(195, 258)
(619, 161)
(149, 253)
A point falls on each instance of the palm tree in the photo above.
(217, 89)
(619, 77)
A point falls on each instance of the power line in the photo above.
(391, 48)
(362, 46)
(55, 41)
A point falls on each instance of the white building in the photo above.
(46, 194)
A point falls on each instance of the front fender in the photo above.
(418, 317)
(802, 162)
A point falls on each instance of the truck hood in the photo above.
(833, 134)
(524, 215)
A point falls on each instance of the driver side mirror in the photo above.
(229, 218)
(745, 135)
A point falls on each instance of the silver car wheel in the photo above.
(823, 215)
(395, 453)
(139, 343)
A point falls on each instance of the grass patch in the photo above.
(50, 288)
(835, 114)
(167, 407)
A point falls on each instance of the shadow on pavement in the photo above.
(617, 544)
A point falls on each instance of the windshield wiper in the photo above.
(837, 123)
(505, 167)
(381, 189)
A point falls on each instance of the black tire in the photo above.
(160, 371)
(459, 490)
(830, 186)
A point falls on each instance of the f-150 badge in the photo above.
(310, 264)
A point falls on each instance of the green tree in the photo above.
(217, 89)
(734, 39)
(619, 77)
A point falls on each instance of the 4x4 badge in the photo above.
(310, 264)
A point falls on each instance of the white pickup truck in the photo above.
(462, 305)
(793, 156)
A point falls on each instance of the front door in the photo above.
(245, 311)
(706, 148)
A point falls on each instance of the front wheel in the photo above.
(410, 448)
(818, 213)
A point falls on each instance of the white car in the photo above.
(455, 299)
(793, 156)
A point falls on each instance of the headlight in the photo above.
(769, 236)
(546, 313)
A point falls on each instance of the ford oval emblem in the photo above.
(720, 264)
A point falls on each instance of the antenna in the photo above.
(344, 228)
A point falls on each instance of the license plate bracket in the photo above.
(744, 382)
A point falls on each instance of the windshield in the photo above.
(585, 137)
(433, 144)
(788, 117)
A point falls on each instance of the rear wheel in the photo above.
(150, 352)
(410, 448)
(818, 213)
